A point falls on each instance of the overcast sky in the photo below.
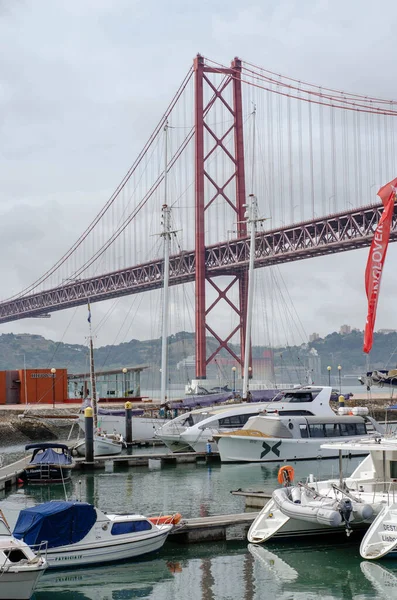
(83, 84)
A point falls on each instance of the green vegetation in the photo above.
(35, 351)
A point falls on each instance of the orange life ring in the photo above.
(286, 474)
(166, 519)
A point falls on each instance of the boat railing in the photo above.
(40, 549)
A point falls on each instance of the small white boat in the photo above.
(381, 538)
(104, 445)
(80, 534)
(20, 567)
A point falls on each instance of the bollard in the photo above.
(341, 400)
(89, 434)
(128, 423)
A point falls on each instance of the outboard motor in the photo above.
(346, 508)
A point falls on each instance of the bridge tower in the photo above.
(232, 191)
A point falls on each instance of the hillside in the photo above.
(34, 351)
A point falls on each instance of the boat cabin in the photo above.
(303, 427)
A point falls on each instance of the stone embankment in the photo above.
(23, 427)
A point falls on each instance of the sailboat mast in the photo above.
(92, 370)
(167, 242)
(252, 218)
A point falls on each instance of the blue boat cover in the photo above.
(58, 523)
(50, 457)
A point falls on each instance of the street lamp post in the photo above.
(53, 371)
(340, 378)
(234, 378)
(329, 375)
(125, 382)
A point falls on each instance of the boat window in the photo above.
(15, 555)
(302, 397)
(196, 418)
(234, 421)
(331, 430)
(316, 430)
(4, 529)
(348, 428)
(393, 469)
(130, 527)
(303, 430)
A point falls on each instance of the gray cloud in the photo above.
(83, 85)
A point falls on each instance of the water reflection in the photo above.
(229, 570)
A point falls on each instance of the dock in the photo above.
(254, 499)
(212, 529)
(10, 474)
(143, 460)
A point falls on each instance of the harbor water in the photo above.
(330, 570)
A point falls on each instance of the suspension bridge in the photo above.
(314, 157)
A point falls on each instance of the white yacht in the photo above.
(271, 437)
(20, 567)
(196, 429)
(78, 533)
(364, 500)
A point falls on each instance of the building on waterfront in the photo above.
(313, 337)
(56, 386)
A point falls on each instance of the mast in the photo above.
(92, 369)
(252, 218)
(166, 221)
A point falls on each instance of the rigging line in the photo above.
(118, 189)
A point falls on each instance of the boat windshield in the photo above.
(3, 528)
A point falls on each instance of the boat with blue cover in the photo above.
(50, 463)
(79, 534)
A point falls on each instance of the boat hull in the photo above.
(143, 428)
(101, 448)
(93, 554)
(19, 584)
(46, 474)
(248, 449)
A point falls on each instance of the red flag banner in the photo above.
(376, 258)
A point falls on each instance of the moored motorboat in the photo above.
(104, 445)
(196, 429)
(49, 463)
(20, 567)
(78, 533)
(282, 436)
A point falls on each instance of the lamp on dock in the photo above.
(53, 371)
(329, 375)
(340, 378)
(125, 381)
(234, 378)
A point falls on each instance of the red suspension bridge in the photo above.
(310, 154)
